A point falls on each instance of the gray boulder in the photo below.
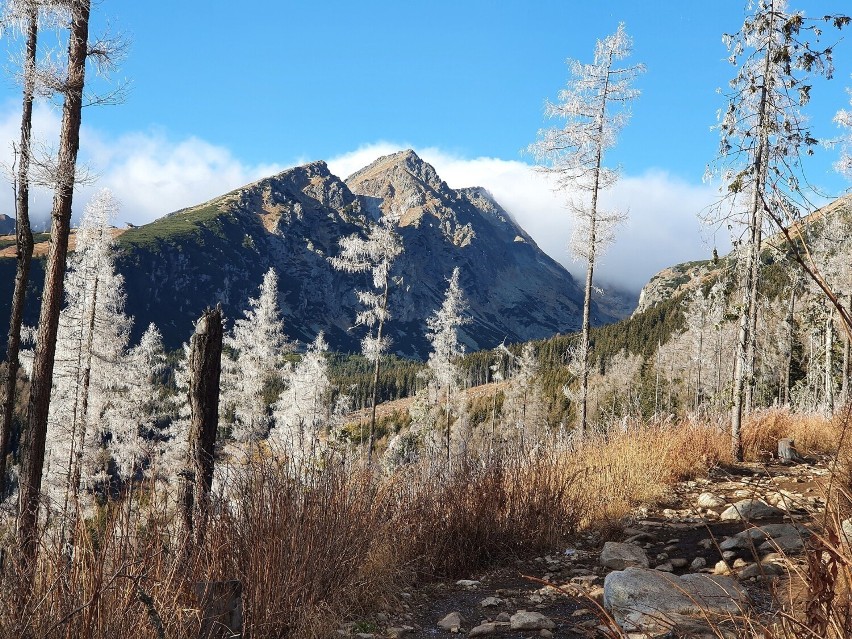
(620, 556)
(749, 510)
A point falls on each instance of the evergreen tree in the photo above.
(375, 254)
(89, 371)
(302, 411)
(446, 348)
(257, 344)
(763, 135)
(595, 107)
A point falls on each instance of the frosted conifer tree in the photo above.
(595, 107)
(375, 254)
(303, 409)
(135, 436)
(763, 136)
(446, 348)
(256, 346)
(89, 368)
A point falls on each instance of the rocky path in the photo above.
(713, 545)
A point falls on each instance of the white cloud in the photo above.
(149, 173)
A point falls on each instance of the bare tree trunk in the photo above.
(788, 360)
(24, 240)
(205, 363)
(829, 347)
(376, 370)
(42, 373)
(844, 389)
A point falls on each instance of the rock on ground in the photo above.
(620, 556)
(750, 509)
(523, 620)
(645, 599)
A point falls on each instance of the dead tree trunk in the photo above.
(24, 240)
(42, 373)
(205, 365)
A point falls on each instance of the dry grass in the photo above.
(813, 433)
(315, 545)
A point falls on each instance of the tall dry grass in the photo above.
(316, 544)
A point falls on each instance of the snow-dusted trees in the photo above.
(89, 375)
(375, 254)
(595, 106)
(522, 402)
(256, 346)
(446, 348)
(763, 135)
(303, 408)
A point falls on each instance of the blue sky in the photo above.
(223, 95)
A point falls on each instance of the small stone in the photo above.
(544, 632)
(721, 568)
(697, 564)
(452, 622)
(468, 583)
(503, 617)
(483, 630)
(597, 594)
(678, 562)
(707, 544)
(750, 509)
(524, 620)
(491, 602)
(619, 556)
(665, 567)
(709, 500)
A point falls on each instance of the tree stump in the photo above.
(787, 453)
(221, 605)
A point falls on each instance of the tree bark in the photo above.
(24, 240)
(205, 363)
(42, 374)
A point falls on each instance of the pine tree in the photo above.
(763, 135)
(446, 349)
(595, 106)
(376, 254)
(257, 344)
(89, 371)
(303, 408)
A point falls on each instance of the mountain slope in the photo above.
(217, 252)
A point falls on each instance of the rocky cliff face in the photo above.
(217, 252)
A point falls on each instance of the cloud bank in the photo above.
(153, 174)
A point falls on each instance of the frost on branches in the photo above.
(252, 362)
(375, 254)
(303, 409)
(89, 374)
(595, 107)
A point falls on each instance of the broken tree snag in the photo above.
(787, 453)
(205, 356)
(221, 606)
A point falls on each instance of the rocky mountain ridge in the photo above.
(217, 252)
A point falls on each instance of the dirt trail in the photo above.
(678, 536)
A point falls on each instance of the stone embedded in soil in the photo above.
(750, 509)
(697, 564)
(484, 629)
(620, 556)
(524, 620)
(468, 583)
(452, 622)
(709, 500)
(491, 602)
(642, 597)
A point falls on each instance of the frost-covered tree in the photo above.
(135, 438)
(303, 409)
(446, 348)
(89, 370)
(376, 253)
(763, 136)
(255, 348)
(595, 107)
(522, 400)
